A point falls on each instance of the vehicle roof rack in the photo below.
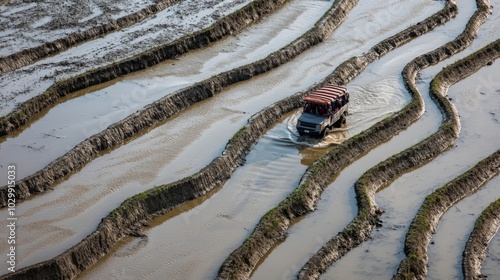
(326, 94)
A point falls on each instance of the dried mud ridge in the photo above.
(476, 248)
(230, 24)
(32, 55)
(273, 226)
(157, 112)
(382, 174)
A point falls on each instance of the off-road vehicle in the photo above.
(324, 109)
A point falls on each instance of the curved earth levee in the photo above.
(216, 172)
(170, 105)
(28, 56)
(381, 175)
(272, 227)
(230, 24)
(418, 236)
(187, 143)
(43, 21)
(486, 227)
(213, 174)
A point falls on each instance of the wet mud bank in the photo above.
(136, 211)
(170, 105)
(434, 206)
(133, 214)
(414, 266)
(228, 25)
(29, 56)
(273, 226)
(476, 248)
(384, 173)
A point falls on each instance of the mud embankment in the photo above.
(161, 110)
(137, 210)
(134, 212)
(381, 175)
(435, 205)
(476, 248)
(29, 56)
(230, 24)
(272, 227)
(414, 266)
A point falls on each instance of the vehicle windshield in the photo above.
(316, 109)
(323, 109)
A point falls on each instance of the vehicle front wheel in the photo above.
(325, 132)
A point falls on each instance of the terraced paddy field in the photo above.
(157, 140)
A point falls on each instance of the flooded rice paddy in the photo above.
(193, 240)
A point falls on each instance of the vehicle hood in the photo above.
(310, 118)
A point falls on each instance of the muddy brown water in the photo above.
(136, 167)
(337, 206)
(479, 108)
(52, 135)
(187, 143)
(37, 20)
(380, 257)
(192, 244)
(191, 252)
